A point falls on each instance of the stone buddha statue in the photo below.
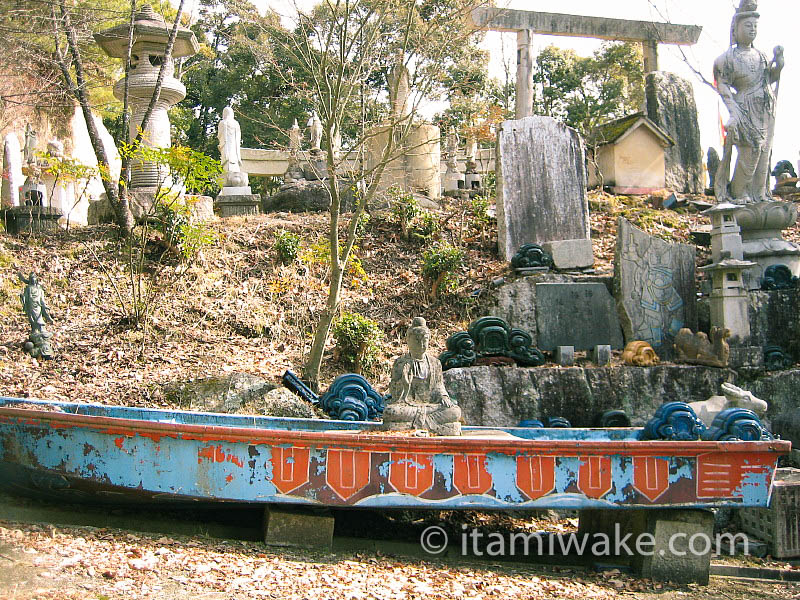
(746, 81)
(419, 398)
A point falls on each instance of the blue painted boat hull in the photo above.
(116, 453)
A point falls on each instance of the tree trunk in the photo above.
(78, 90)
(314, 363)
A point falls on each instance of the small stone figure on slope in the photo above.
(419, 398)
(35, 308)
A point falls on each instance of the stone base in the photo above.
(749, 357)
(570, 254)
(300, 528)
(234, 206)
(30, 219)
(453, 182)
(675, 554)
(751, 278)
(601, 355)
(244, 190)
(565, 356)
(140, 201)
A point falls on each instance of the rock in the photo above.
(787, 426)
(227, 394)
(541, 188)
(202, 208)
(671, 105)
(280, 402)
(100, 211)
(773, 320)
(654, 285)
(515, 301)
(582, 315)
(306, 196)
(502, 396)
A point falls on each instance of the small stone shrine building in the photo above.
(629, 156)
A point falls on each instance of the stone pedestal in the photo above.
(31, 219)
(234, 202)
(417, 163)
(674, 545)
(453, 180)
(761, 224)
(298, 527)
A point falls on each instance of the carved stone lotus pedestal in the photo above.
(761, 225)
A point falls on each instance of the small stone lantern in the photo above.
(150, 36)
(726, 238)
(729, 299)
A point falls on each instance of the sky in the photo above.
(778, 26)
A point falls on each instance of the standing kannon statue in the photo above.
(35, 308)
(748, 83)
(229, 134)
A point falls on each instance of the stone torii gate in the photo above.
(527, 23)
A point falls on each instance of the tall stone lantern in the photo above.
(150, 36)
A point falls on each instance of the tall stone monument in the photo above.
(747, 81)
(541, 191)
(415, 165)
(12, 171)
(671, 106)
(150, 36)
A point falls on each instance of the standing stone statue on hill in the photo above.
(230, 147)
(748, 82)
(35, 308)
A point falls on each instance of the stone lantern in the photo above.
(726, 239)
(150, 36)
(729, 300)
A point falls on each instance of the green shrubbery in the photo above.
(287, 245)
(358, 341)
(440, 267)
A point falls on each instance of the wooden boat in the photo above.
(77, 450)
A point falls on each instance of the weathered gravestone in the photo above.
(541, 191)
(671, 105)
(654, 286)
(12, 171)
(582, 315)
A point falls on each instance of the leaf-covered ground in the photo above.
(239, 309)
(85, 563)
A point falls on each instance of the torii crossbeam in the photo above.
(527, 23)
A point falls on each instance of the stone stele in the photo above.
(541, 190)
(654, 286)
(671, 106)
(582, 315)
